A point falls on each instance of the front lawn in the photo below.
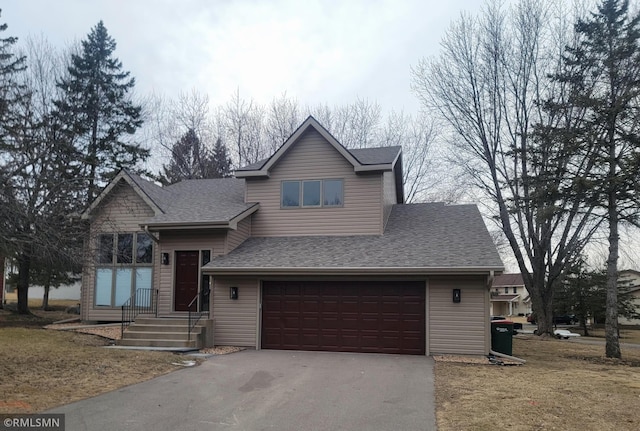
(563, 386)
(41, 369)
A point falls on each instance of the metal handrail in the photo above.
(142, 301)
(197, 314)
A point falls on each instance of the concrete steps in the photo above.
(168, 332)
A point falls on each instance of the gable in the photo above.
(140, 187)
(122, 209)
(376, 159)
(311, 156)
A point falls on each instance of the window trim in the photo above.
(301, 204)
(115, 266)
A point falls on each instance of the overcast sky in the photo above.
(315, 51)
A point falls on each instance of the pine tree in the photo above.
(188, 158)
(603, 70)
(191, 160)
(11, 65)
(221, 160)
(11, 92)
(98, 112)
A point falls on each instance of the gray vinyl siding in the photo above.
(182, 241)
(121, 211)
(389, 195)
(238, 236)
(458, 328)
(312, 157)
(236, 321)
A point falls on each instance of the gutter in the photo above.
(351, 270)
(490, 279)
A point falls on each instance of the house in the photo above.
(629, 280)
(310, 249)
(509, 296)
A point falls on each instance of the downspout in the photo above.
(153, 238)
(490, 278)
(512, 358)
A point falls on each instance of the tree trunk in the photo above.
(542, 305)
(612, 347)
(583, 322)
(2, 281)
(45, 298)
(24, 265)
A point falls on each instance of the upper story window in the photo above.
(515, 290)
(312, 193)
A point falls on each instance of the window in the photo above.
(332, 193)
(125, 248)
(144, 248)
(515, 290)
(105, 249)
(312, 193)
(118, 276)
(506, 290)
(291, 193)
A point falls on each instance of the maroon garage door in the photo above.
(359, 316)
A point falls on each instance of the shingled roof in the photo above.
(212, 202)
(200, 202)
(376, 155)
(508, 280)
(419, 238)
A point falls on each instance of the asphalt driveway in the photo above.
(272, 390)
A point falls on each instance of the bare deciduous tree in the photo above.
(282, 119)
(486, 84)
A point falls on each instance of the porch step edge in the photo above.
(144, 342)
(159, 335)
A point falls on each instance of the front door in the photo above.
(186, 285)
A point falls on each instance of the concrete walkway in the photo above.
(272, 389)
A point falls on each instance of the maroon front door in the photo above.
(186, 279)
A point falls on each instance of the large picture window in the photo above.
(124, 266)
(312, 193)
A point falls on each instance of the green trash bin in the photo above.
(502, 336)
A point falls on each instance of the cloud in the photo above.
(316, 51)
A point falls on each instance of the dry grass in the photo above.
(563, 386)
(41, 369)
(39, 317)
(626, 335)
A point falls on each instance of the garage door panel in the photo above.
(310, 305)
(369, 324)
(374, 316)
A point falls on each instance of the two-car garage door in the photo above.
(354, 316)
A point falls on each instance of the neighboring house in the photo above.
(509, 297)
(311, 249)
(629, 280)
